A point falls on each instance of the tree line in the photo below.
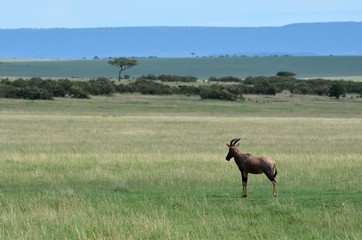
(224, 88)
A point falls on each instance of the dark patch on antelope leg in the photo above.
(245, 182)
(271, 177)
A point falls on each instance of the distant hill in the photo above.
(305, 39)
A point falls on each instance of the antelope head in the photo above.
(232, 146)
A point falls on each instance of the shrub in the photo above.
(216, 92)
(224, 79)
(264, 87)
(37, 88)
(150, 87)
(188, 90)
(336, 90)
(124, 88)
(34, 92)
(101, 86)
(175, 78)
(149, 77)
(77, 92)
(31, 92)
(285, 74)
(7, 91)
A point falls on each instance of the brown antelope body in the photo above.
(251, 164)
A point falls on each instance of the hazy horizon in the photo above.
(342, 39)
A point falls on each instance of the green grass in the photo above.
(141, 167)
(203, 68)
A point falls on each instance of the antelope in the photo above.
(251, 164)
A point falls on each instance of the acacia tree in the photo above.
(122, 63)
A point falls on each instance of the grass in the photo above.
(141, 167)
(203, 68)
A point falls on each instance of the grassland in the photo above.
(147, 167)
(203, 68)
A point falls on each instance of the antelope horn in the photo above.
(235, 140)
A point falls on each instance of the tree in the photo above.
(336, 90)
(123, 64)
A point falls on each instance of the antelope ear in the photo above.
(228, 145)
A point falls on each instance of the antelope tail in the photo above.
(275, 171)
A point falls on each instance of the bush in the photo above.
(101, 86)
(224, 79)
(169, 78)
(336, 90)
(188, 90)
(7, 91)
(149, 77)
(78, 92)
(37, 88)
(20, 83)
(285, 74)
(175, 78)
(31, 93)
(124, 88)
(264, 87)
(151, 87)
(216, 92)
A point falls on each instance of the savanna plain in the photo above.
(153, 167)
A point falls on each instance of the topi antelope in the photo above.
(250, 164)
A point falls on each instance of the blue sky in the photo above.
(118, 13)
